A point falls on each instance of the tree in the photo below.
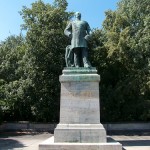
(30, 66)
(11, 50)
(44, 59)
(127, 43)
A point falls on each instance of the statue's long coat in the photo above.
(78, 30)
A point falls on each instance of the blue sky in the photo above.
(92, 11)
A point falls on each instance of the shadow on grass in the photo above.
(9, 144)
(15, 140)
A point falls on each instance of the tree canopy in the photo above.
(127, 43)
(30, 66)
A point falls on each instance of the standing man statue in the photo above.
(78, 31)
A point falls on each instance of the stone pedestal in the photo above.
(79, 126)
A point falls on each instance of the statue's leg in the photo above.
(76, 57)
(86, 63)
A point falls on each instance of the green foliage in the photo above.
(45, 56)
(127, 44)
(30, 66)
(11, 50)
(2, 104)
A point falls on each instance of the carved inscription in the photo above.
(83, 94)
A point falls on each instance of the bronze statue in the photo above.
(77, 52)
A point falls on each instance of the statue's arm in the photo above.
(88, 29)
(88, 32)
(68, 30)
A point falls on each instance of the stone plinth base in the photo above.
(80, 133)
(79, 127)
(50, 145)
(79, 107)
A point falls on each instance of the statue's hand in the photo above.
(87, 37)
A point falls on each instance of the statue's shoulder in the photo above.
(85, 22)
(81, 21)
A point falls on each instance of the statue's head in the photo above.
(78, 15)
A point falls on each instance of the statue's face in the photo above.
(78, 15)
